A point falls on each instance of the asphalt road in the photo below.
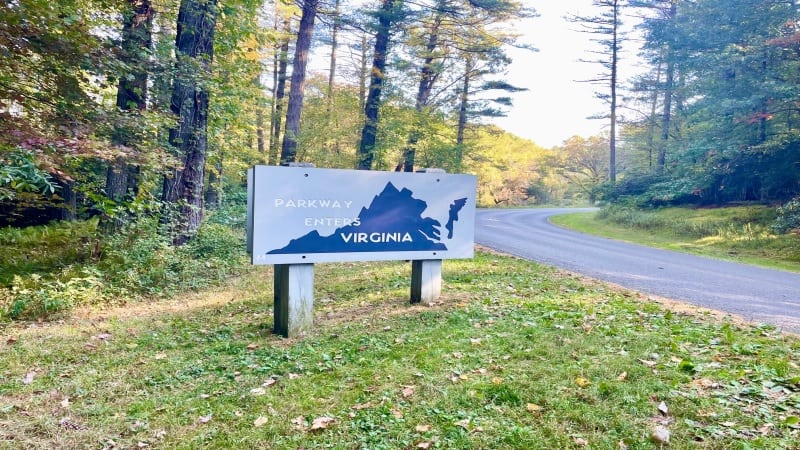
(756, 294)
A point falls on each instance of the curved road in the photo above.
(756, 294)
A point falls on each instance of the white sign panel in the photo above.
(302, 215)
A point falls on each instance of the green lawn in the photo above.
(516, 356)
(739, 233)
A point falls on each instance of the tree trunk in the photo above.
(297, 86)
(190, 96)
(214, 192)
(463, 108)
(366, 151)
(612, 160)
(137, 38)
(427, 78)
(331, 99)
(363, 75)
(669, 89)
(279, 95)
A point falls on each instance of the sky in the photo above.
(557, 104)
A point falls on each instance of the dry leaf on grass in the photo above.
(533, 408)
(299, 423)
(660, 435)
(29, 377)
(260, 422)
(423, 428)
(321, 423)
(408, 391)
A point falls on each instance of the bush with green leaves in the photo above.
(32, 297)
(19, 172)
(69, 264)
(788, 216)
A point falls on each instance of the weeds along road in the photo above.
(755, 294)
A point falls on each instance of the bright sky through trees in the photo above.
(557, 104)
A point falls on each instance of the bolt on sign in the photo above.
(300, 215)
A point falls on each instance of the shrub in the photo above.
(788, 217)
(31, 297)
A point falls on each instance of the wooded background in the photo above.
(123, 109)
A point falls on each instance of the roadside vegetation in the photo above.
(516, 355)
(754, 234)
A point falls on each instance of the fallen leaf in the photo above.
(463, 424)
(103, 336)
(582, 382)
(269, 382)
(362, 406)
(299, 423)
(65, 403)
(662, 408)
(142, 444)
(29, 377)
(252, 346)
(623, 376)
(423, 428)
(408, 391)
(475, 341)
(69, 424)
(458, 355)
(260, 422)
(159, 356)
(424, 445)
(660, 435)
(258, 391)
(397, 413)
(497, 381)
(293, 376)
(321, 423)
(204, 419)
(533, 408)
(765, 429)
(648, 363)
(11, 341)
(622, 445)
(581, 441)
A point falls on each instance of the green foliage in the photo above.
(142, 260)
(19, 172)
(50, 269)
(46, 249)
(34, 298)
(696, 223)
(788, 216)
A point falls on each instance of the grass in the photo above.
(735, 233)
(515, 356)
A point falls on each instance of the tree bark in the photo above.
(190, 97)
(463, 108)
(612, 160)
(279, 95)
(297, 86)
(137, 38)
(369, 134)
(427, 77)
